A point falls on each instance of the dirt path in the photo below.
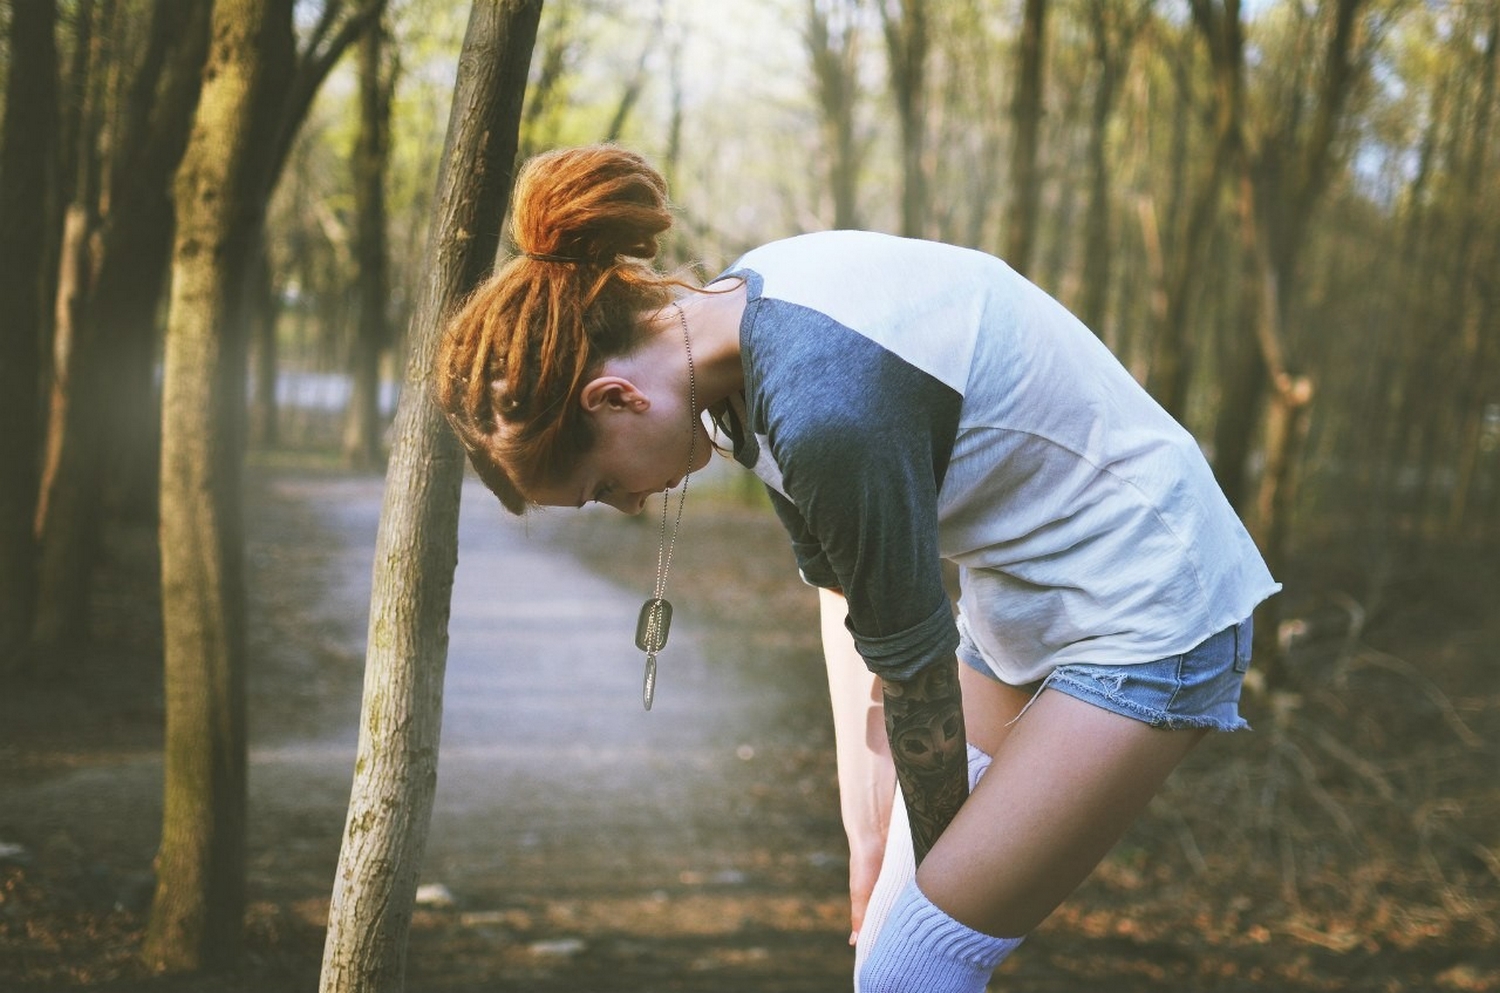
(578, 842)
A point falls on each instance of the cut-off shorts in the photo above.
(1198, 689)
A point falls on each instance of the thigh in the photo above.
(990, 708)
(1067, 779)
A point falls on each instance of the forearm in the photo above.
(867, 779)
(924, 720)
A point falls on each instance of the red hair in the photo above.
(512, 361)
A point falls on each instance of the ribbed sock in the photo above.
(899, 867)
(923, 950)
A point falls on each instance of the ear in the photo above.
(612, 393)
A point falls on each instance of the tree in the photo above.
(339, 24)
(395, 773)
(1026, 119)
(906, 46)
(831, 35)
(1171, 344)
(1113, 28)
(117, 244)
(26, 161)
(1471, 263)
(377, 78)
(197, 914)
(1284, 175)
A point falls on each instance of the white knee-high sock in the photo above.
(923, 950)
(898, 868)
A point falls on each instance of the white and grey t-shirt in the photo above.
(908, 402)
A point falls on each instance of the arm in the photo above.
(867, 781)
(924, 719)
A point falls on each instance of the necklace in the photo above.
(655, 620)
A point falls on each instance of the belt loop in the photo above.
(1242, 642)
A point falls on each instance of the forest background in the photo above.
(1283, 218)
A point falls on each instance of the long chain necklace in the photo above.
(655, 620)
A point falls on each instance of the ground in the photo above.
(1352, 842)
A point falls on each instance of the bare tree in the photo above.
(1113, 28)
(197, 915)
(831, 35)
(395, 773)
(377, 77)
(1026, 119)
(906, 46)
(1171, 344)
(28, 150)
(1474, 267)
(109, 291)
(339, 24)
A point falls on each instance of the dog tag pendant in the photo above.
(653, 625)
(648, 688)
(651, 630)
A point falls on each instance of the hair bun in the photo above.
(593, 204)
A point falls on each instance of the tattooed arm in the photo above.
(924, 719)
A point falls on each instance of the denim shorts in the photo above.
(1197, 689)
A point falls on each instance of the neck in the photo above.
(714, 327)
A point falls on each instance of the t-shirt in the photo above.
(908, 402)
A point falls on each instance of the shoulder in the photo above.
(802, 258)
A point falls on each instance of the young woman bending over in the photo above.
(905, 403)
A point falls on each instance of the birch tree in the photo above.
(395, 772)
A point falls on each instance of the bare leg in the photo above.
(1066, 781)
(990, 707)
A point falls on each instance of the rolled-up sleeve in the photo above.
(900, 656)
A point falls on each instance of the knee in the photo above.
(921, 948)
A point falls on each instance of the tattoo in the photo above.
(924, 718)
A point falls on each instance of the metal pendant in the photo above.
(651, 630)
(648, 688)
(653, 625)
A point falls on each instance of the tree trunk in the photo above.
(137, 252)
(103, 392)
(1475, 258)
(1026, 120)
(28, 150)
(1171, 353)
(336, 29)
(68, 505)
(395, 774)
(831, 47)
(1113, 32)
(906, 48)
(362, 442)
(197, 915)
(260, 326)
(1243, 384)
(68, 523)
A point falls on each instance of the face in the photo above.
(640, 448)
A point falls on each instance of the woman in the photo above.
(905, 403)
